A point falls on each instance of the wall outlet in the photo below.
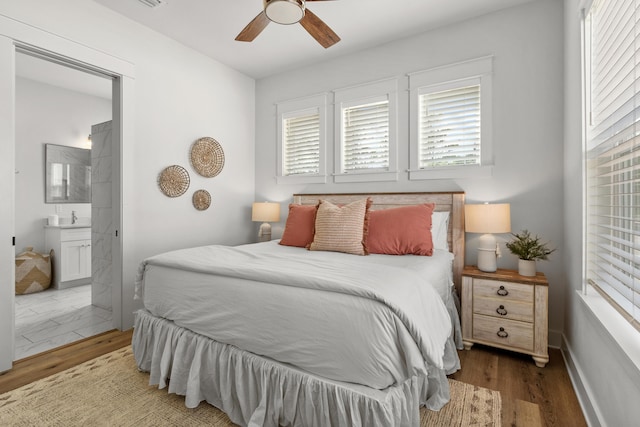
(58, 209)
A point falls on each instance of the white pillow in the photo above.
(439, 228)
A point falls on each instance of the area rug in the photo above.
(110, 391)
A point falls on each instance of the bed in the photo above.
(279, 335)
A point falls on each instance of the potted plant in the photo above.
(529, 249)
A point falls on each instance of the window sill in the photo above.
(366, 177)
(452, 173)
(308, 179)
(623, 333)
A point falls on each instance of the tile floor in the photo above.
(56, 317)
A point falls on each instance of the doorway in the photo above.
(59, 106)
(16, 35)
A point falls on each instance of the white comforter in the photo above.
(340, 316)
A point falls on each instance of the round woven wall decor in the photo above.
(201, 200)
(207, 157)
(173, 180)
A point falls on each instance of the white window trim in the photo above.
(287, 109)
(624, 334)
(362, 94)
(621, 331)
(448, 77)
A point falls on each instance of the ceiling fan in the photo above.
(290, 12)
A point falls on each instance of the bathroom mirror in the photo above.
(67, 174)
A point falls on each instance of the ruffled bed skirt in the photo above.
(257, 391)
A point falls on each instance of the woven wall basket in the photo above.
(173, 181)
(207, 157)
(201, 200)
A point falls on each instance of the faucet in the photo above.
(74, 218)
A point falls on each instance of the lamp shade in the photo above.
(265, 212)
(487, 218)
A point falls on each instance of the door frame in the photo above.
(17, 35)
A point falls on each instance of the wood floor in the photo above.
(531, 396)
(50, 362)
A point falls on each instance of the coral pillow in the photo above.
(401, 231)
(341, 228)
(300, 226)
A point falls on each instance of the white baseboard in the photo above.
(590, 410)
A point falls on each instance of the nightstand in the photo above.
(506, 310)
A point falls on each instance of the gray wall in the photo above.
(606, 379)
(526, 42)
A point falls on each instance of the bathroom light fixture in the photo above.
(487, 219)
(265, 212)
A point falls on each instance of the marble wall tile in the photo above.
(101, 296)
(101, 170)
(101, 127)
(101, 245)
(101, 195)
(102, 222)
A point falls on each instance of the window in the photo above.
(366, 132)
(449, 133)
(450, 121)
(613, 153)
(301, 136)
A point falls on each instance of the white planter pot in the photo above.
(526, 267)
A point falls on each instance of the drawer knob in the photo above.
(502, 292)
(502, 333)
(501, 311)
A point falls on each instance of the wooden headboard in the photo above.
(452, 202)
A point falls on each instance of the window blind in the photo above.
(449, 128)
(301, 145)
(613, 153)
(365, 136)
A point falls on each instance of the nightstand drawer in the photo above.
(507, 333)
(503, 308)
(503, 290)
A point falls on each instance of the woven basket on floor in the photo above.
(33, 272)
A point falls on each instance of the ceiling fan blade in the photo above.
(318, 29)
(254, 28)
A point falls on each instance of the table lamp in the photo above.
(487, 219)
(265, 212)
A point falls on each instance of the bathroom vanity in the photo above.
(71, 246)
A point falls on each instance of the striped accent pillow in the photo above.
(341, 228)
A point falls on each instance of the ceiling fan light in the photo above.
(284, 11)
(152, 3)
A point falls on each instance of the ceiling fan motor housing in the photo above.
(284, 11)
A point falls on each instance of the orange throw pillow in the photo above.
(300, 226)
(401, 231)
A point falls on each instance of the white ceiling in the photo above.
(210, 27)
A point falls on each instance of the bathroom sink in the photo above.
(69, 225)
(76, 225)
